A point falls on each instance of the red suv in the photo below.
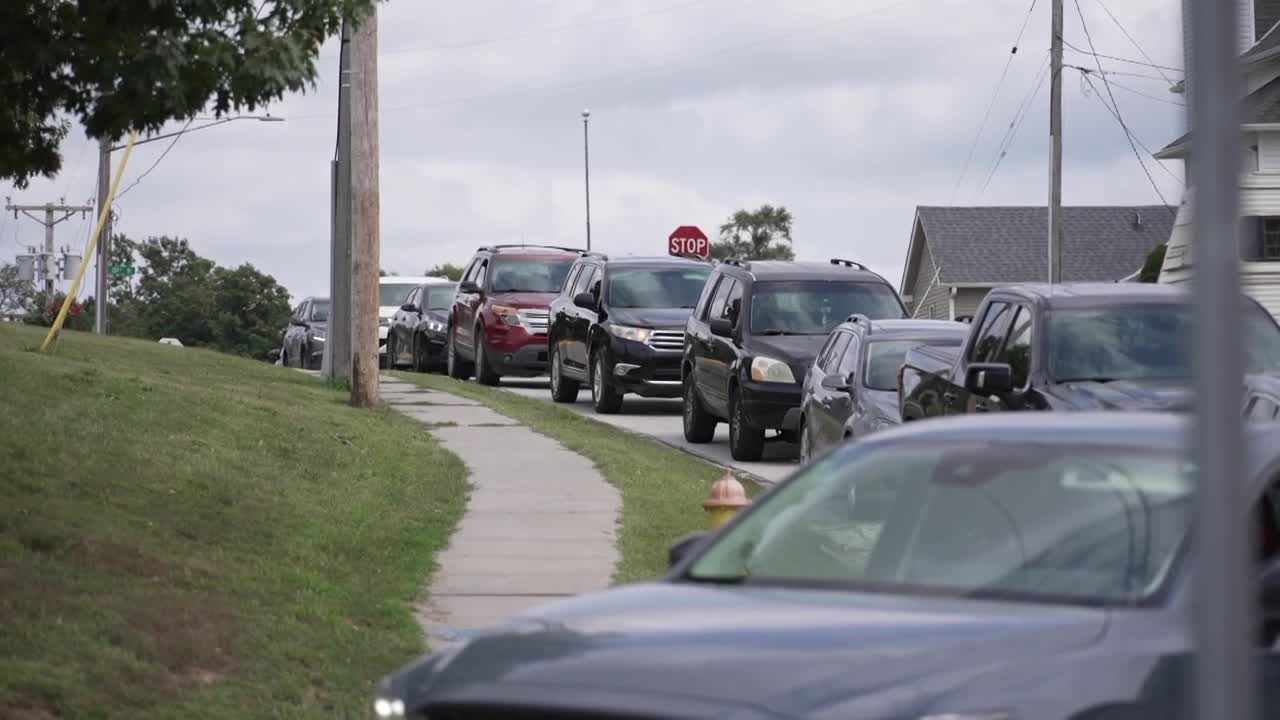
(498, 322)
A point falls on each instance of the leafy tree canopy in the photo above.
(16, 294)
(446, 270)
(117, 66)
(760, 234)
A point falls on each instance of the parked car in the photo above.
(1075, 346)
(304, 339)
(499, 318)
(992, 567)
(852, 387)
(393, 290)
(417, 332)
(757, 328)
(618, 325)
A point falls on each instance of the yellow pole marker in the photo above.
(103, 214)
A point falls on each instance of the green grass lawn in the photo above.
(190, 535)
(662, 488)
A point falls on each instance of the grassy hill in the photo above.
(186, 534)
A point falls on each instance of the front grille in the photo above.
(666, 339)
(535, 321)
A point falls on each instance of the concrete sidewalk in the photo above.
(539, 524)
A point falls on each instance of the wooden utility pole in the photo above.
(365, 239)
(102, 293)
(337, 351)
(1055, 143)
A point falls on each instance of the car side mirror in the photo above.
(409, 307)
(721, 327)
(682, 548)
(468, 287)
(585, 300)
(836, 382)
(988, 378)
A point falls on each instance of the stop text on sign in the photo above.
(688, 240)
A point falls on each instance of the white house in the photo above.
(1260, 171)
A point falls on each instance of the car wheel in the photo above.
(806, 450)
(563, 389)
(699, 425)
(419, 363)
(485, 374)
(604, 395)
(745, 442)
(454, 364)
(391, 352)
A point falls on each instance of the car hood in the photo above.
(795, 349)
(387, 311)
(1167, 395)
(781, 651)
(660, 318)
(523, 299)
(438, 314)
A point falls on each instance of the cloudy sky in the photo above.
(848, 112)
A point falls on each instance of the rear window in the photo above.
(884, 357)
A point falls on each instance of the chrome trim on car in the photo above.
(666, 340)
(534, 320)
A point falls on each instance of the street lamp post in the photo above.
(105, 148)
(586, 170)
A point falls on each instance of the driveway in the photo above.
(660, 420)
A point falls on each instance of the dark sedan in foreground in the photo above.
(1006, 567)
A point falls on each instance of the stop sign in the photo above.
(688, 240)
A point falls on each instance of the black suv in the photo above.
(619, 325)
(756, 330)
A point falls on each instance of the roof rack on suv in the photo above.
(593, 253)
(848, 263)
(860, 319)
(744, 264)
(535, 246)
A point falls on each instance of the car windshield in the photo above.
(655, 288)
(815, 308)
(527, 275)
(1144, 342)
(394, 294)
(884, 357)
(440, 297)
(319, 310)
(1036, 521)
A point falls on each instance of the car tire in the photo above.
(455, 366)
(485, 374)
(746, 443)
(563, 389)
(419, 357)
(604, 395)
(392, 350)
(806, 448)
(699, 425)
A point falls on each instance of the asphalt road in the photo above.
(660, 420)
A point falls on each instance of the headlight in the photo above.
(318, 338)
(626, 332)
(506, 314)
(434, 326)
(767, 369)
(388, 708)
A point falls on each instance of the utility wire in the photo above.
(1128, 135)
(1149, 96)
(1116, 20)
(982, 126)
(1011, 132)
(146, 172)
(1087, 77)
(1124, 60)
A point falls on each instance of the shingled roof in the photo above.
(1260, 107)
(998, 245)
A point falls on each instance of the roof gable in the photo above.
(1000, 245)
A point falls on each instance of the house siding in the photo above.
(968, 300)
(923, 296)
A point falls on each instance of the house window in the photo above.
(1270, 238)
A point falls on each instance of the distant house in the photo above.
(1259, 37)
(957, 254)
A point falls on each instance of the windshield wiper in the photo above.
(1089, 379)
(777, 331)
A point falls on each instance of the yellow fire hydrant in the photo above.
(727, 497)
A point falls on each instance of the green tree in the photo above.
(760, 234)
(249, 309)
(446, 270)
(1151, 268)
(16, 293)
(175, 293)
(101, 63)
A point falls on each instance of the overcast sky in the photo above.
(848, 112)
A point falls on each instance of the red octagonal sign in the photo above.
(688, 241)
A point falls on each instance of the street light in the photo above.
(101, 301)
(586, 170)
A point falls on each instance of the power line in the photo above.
(1149, 96)
(1116, 20)
(1015, 125)
(1086, 76)
(615, 80)
(982, 126)
(146, 172)
(1128, 135)
(1117, 58)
